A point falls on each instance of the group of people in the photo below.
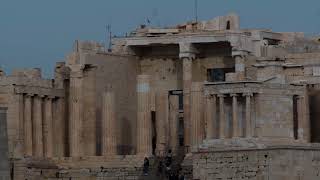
(165, 168)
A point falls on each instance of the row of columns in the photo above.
(187, 55)
(167, 119)
(212, 121)
(38, 129)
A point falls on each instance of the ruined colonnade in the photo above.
(214, 113)
(38, 125)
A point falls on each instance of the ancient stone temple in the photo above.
(230, 103)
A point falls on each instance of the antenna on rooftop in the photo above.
(196, 10)
(108, 37)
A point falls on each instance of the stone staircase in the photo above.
(175, 167)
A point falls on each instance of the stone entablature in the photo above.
(25, 81)
(58, 93)
(256, 87)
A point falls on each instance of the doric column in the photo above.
(162, 122)
(235, 122)
(60, 113)
(222, 119)
(248, 115)
(174, 122)
(301, 117)
(187, 54)
(48, 128)
(306, 117)
(28, 125)
(211, 111)
(37, 126)
(196, 113)
(144, 145)
(109, 143)
(76, 116)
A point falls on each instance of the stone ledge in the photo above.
(253, 144)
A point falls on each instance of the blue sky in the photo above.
(37, 33)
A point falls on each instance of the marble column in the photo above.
(109, 142)
(28, 125)
(301, 117)
(235, 122)
(196, 113)
(75, 111)
(222, 119)
(248, 115)
(174, 122)
(60, 113)
(187, 79)
(187, 54)
(37, 126)
(48, 127)
(306, 117)
(162, 122)
(144, 140)
(211, 111)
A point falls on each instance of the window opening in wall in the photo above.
(154, 132)
(218, 74)
(228, 25)
(295, 117)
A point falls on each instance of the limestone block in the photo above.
(235, 76)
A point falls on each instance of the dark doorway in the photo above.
(314, 103)
(228, 25)
(154, 132)
(295, 117)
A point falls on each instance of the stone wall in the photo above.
(274, 116)
(275, 163)
(89, 168)
(4, 162)
(110, 73)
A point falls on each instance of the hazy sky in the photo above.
(37, 33)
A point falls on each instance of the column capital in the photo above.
(210, 96)
(76, 71)
(248, 94)
(239, 53)
(49, 97)
(41, 96)
(187, 50)
(221, 95)
(187, 56)
(233, 94)
(300, 96)
(29, 95)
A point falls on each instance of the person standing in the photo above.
(146, 165)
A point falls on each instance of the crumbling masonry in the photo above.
(230, 103)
